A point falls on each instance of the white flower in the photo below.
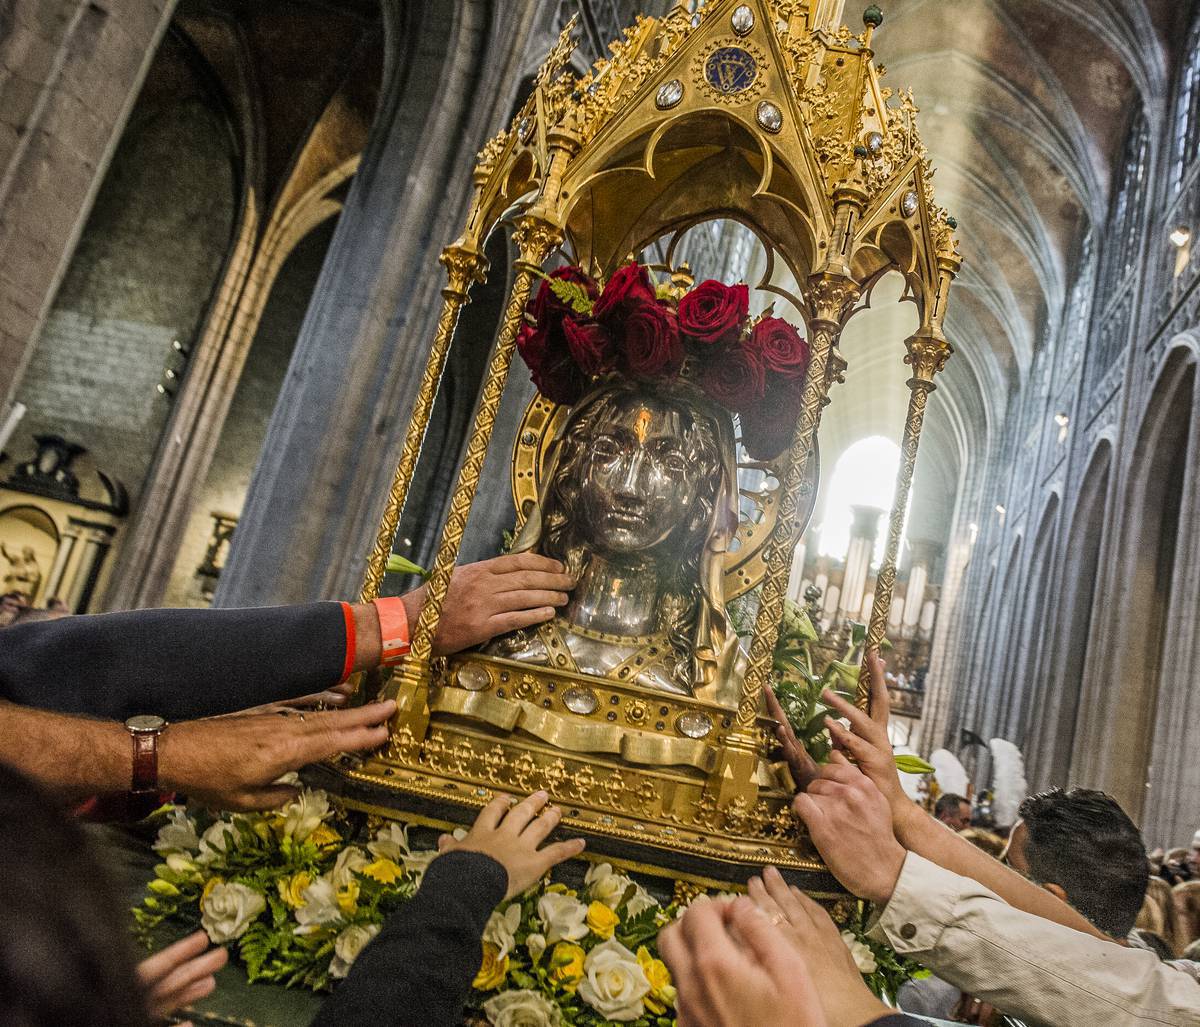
(320, 906)
(290, 778)
(178, 834)
(350, 860)
(864, 958)
(182, 864)
(563, 916)
(521, 1009)
(501, 929)
(614, 982)
(304, 814)
(418, 862)
(348, 945)
(536, 943)
(391, 842)
(605, 885)
(228, 909)
(640, 901)
(214, 843)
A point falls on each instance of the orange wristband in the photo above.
(351, 642)
(393, 630)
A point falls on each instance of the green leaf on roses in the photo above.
(397, 564)
(573, 294)
(908, 764)
(858, 633)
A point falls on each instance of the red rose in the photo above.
(551, 367)
(652, 346)
(713, 313)
(590, 345)
(735, 379)
(780, 348)
(768, 427)
(547, 309)
(628, 287)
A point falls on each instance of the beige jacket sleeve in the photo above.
(1032, 969)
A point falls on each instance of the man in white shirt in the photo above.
(971, 920)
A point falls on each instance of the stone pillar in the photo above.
(863, 534)
(795, 589)
(318, 493)
(922, 555)
(72, 70)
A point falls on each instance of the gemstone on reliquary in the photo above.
(693, 725)
(742, 20)
(909, 204)
(473, 678)
(669, 94)
(580, 700)
(769, 116)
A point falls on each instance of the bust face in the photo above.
(639, 484)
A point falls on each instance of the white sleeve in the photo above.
(1030, 968)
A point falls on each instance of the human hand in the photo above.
(732, 966)
(844, 997)
(511, 836)
(850, 823)
(232, 762)
(866, 740)
(494, 597)
(798, 760)
(180, 975)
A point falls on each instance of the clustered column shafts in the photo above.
(464, 265)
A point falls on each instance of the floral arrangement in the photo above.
(297, 899)
(578, 332)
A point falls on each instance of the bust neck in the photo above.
(617, 597)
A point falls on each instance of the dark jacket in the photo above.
(177, 664)
(419, 969)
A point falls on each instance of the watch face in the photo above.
(146, 722)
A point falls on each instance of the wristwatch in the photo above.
(144, 730)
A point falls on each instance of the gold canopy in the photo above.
(758, 112)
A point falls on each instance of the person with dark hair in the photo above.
(1081, 846)
(954, 811)
(65, 956)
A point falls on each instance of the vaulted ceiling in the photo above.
(1025, 108)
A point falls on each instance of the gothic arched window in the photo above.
(1121, 246)
(1186, 135)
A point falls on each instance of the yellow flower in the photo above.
(383, 870)
(323, 836)
(162, 887)
(561, 889)
(662, 991)
(602, 920)
(212, 883)
(347, 898)
(291, 889)
(260, 827)
(493, 971)
(566, 965)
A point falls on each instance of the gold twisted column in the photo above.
(928, 352)
(464, 265)
(734, 775)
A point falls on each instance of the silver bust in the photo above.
(639, 502)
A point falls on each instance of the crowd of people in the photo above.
(1064, 921)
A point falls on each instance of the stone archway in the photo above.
(1122, 689)
(1051, 755)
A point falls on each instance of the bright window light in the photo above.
(865, 475)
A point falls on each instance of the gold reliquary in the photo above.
(669, 460)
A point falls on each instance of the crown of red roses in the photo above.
(577, 332)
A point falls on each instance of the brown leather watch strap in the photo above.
(145, 761)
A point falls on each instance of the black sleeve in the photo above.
(177, 664)
(419, 969)
(898, 1020)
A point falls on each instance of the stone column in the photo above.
(332, 446)
(72, 70)
(795, 589)
(922, 555)
(863, 534)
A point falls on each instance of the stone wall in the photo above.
(140, 280)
